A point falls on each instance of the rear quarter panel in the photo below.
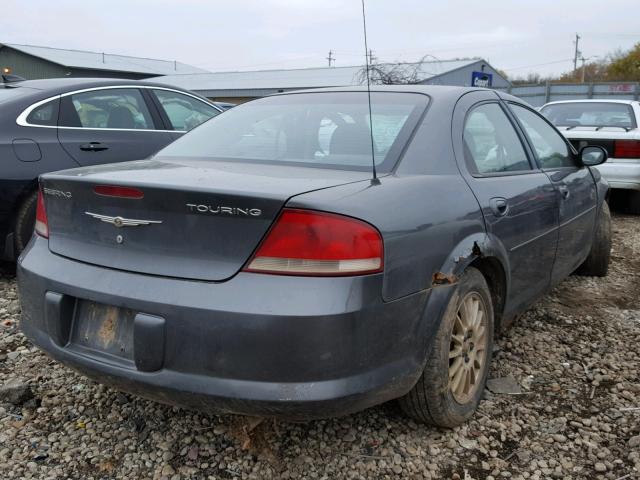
(426, 222)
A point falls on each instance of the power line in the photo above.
(276, 62)
(539, 64)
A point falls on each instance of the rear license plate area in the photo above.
(103, 329)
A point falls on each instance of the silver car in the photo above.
(612, 124)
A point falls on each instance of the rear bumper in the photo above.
(624, 174)
(298, 348)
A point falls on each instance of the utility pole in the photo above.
(584, 66)
(371, 57)
(577, 53)
(331, 58)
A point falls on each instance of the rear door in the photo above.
(574, 185)
(107, 125)
(517, 199)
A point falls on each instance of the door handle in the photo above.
(499, 206)
(564, 191)
(94, 147)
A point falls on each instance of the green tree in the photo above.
(626, 67)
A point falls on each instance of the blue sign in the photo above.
(481, 79)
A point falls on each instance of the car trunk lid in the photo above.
(197, 219)
(604, 137)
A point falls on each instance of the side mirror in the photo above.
(590, 156)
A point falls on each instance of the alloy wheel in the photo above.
(468, 348)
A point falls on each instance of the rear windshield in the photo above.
(329, 130)
(590, 114)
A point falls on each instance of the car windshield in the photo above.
(590, 114)
(327, 130)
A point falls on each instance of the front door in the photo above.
(109, 125)
(575, 188)
(517, 199)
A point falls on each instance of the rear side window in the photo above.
(491, 143)
(551, 149)
(184, 112)
(46, 114)
(116, 108)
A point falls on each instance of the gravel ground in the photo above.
(575, 357)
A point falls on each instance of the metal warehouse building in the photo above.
(32, 62)
(238, 87)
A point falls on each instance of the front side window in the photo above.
(116, 108)
(551, 149)
(491, 144)
(590, 114)
(46, 114)
(330, 130)
(184, 112)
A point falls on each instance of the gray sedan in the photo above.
(260, 265)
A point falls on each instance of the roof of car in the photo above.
(45, 88)
(593, 100)
(63, 84)
(440, 91)
(423, 89)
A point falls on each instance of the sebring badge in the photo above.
(120, 221)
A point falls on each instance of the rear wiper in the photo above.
(570, 127)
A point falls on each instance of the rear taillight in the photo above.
(42, 226)
(626, 149)
(306, 242)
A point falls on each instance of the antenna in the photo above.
(374, 180)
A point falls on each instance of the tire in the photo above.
(597, 263)
(24, 223)
(433, 399)
(633, 204)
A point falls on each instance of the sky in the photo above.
(517, 36)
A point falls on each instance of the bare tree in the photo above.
(394, 73)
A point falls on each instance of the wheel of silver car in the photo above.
(449, 390)
(468, 348)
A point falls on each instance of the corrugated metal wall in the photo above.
(30, 67)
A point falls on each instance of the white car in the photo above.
(612, 124)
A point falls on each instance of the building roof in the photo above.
(296, 78)
(105, 61)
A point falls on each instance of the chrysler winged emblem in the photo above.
(121, 221)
